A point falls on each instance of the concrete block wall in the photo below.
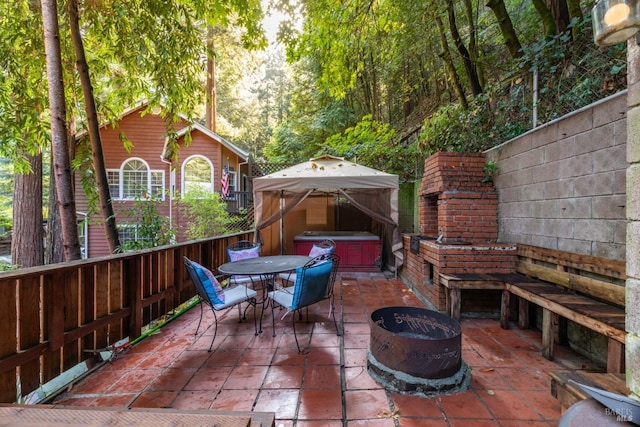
(563, 185)
(633, 213)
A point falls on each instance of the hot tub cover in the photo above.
(372, 191)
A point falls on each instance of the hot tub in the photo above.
(358, 250)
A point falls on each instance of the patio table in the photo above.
(267, 267)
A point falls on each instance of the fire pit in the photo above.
(416, 351)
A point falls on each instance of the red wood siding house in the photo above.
(145, 163)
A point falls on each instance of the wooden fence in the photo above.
(52, 315)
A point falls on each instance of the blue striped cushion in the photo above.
(210, 283)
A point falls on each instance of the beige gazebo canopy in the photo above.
(373, 192)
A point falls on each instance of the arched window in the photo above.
(134, 180)
(197, 175)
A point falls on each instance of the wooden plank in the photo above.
(52, 317)
(593, 324)
(455, 302)
(29, 331)
(8, 342)
(17, 359)
(132, 273)
(56, 318)
(101, 281)
(569, 394)
(71, 321)
(615, 357)
(599, 311)
(48, 415)
(116, 300)
(599, 289)
(505, 309)
(547, 334)
(602, 266)
(447, 301)
(471, 281)
(88, 307)
(523, 313)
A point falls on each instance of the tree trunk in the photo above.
(473, 40)
(27, 249)
(506, 27)
(575, 11)
(59, 143)
(560, 13)
(111, 231)
(210, 115)
(375, 88)
(54, 250)
(548, 22)
(451, 69)
(469, 66)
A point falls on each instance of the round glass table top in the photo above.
(265, 264)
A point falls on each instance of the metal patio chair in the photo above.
(216, 297)
(323, 247)
(240, 250)
(314, 283)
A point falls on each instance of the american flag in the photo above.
(224, 187)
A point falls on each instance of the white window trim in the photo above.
(150, 171)
(127, 226)
(233, 182)
(182, 174)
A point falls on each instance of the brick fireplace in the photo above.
(458, 230)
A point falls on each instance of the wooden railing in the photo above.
(51, 315)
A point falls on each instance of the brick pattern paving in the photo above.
(330, 385)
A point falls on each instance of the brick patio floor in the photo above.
(330, 385)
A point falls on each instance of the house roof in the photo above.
(244, 155)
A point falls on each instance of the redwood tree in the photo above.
(59, 143)
(102, 182)
(26, 243)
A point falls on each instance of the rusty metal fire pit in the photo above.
(416, 351)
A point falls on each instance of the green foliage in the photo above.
(453, 128)
(205, 214)
(152, 229)
(375, 144)
(23, 97)
(285, 146)
(8, 267)
(489, 170)
(573, 73)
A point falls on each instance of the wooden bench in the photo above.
(585, 289)
(569, 394)
(59, 415)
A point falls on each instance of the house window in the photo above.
(232, 182)
(134, 180)
(197, 175)
(157, 184)
(82, 233)
(130, 239)
(113, 176)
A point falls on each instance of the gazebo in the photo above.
(307, 193)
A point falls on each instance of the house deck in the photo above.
(329, 385)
